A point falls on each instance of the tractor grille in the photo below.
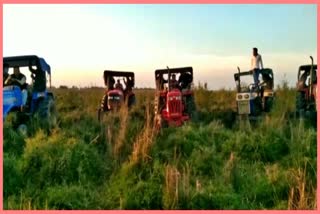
(175, 107)
(244, 107)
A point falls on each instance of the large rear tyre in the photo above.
(160, 122)
(157, 122)
(131, 100)
(47, 114)
(100, 114)
(156, 104)
(191, 108)
(268, 102)
(301, 104)
(103, 107)
(257, 107)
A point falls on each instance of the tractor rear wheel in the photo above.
(158, 122)
(104, 103)
(131, 100)
(156, 104)
(103, 107)
(268, 102)
(301, 103)
(257, 106)
(46, 113)
(191, 108)
(100, 114)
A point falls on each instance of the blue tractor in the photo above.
(253, 100)
(32, 101)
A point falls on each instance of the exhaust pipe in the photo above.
(168, 78)
(311, 78)
(239, 79)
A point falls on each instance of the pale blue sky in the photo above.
(80, 41)
(208, 29)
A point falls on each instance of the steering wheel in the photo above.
(13, 82)
(263, 83)
(251, 86)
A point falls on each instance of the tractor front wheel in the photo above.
(23, 130)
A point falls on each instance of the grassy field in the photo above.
(214, 163)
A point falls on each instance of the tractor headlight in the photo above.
(239, 96)
(41, 94)
(178, 98)
(115, 98)
(254, 95)
(246, 96)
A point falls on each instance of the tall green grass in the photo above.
(124, 163)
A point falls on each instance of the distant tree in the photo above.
(63, 87)
(205, 86)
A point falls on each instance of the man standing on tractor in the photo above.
(256, 65)
(19, 79)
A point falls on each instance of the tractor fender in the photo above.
(50, 94)
(12, 97)
(37, 98)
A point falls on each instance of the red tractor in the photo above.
(116, 95)
(306, 102)
(174, 99)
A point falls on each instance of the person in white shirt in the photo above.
(256, 65)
